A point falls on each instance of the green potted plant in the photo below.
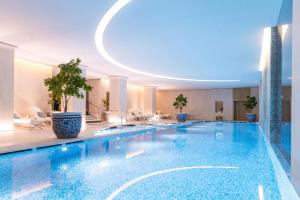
(250, 105)
(180, 103)
(105, 102)
(66, 84)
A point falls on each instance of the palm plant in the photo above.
(180, 102)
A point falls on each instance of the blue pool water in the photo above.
(285, 140)
(215, 161)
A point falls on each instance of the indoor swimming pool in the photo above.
(211, 161)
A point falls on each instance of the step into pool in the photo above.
(214, 161)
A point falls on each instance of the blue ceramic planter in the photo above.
(181, 117)
(251, 117)
(66, 125)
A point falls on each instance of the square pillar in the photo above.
(6, 86)
(118, 94)
(150, 100)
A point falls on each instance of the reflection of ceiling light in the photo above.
(64, 148)
(266, 49)
(284, 29)
(134, 153)
(104, 163)
(115, 193)
(64, 167)
(260, 192)
(290, 78)
(28, 191)
(99, 44)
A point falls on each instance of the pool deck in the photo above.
(24, 139)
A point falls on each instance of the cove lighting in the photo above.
(266, 49)
(100, 46)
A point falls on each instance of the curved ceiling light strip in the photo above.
(100, 46)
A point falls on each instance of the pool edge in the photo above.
(287, 190)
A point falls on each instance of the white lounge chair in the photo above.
(161, 115)
(39, 115)
(26, 122)
(135, 115)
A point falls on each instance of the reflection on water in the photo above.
(28, 172)
(219, 134)
(99, 166)
(284, 143)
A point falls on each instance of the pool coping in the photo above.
(287, 190)
(57, 142)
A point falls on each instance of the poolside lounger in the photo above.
(162, 115)
(26, 122)
(40, 116)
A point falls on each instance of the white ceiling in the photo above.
(194, 39)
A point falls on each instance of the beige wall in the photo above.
(101, 86)
(6, 86)
(29, 88)
(201, 103)
(134, 97)
(149, 102)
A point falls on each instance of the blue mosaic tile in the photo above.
(96, 169)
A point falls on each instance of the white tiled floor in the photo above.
(22, 139)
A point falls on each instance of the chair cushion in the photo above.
(16, 116)
(41, 115)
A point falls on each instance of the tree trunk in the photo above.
(66, 104)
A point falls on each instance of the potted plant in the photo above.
(180, 103)
(106, 106)
(250, 105)
(66, 84)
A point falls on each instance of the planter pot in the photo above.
(66, 125)
(251, 117)
(106, 116)
(181, 117)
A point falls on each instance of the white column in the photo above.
(295, 154)
(6, 86)
(118, 93)
(150, 100)
(79, 105)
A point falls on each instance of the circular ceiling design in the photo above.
(99, 37)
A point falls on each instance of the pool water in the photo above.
(215, 161)
(284, 142)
